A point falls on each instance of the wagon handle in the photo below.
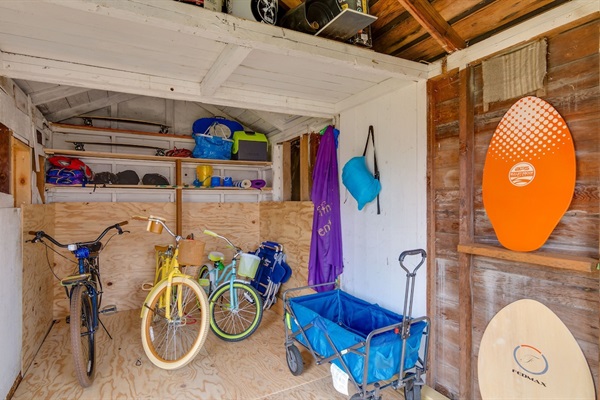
(410, 287)
(415, 252)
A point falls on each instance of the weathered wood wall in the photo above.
(483, 285)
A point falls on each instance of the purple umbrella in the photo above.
(326, 263)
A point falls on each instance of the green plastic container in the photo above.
(248, 145)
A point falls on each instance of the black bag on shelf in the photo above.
(154, 179)
(128, 177)
(105, 178)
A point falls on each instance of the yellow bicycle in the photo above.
(175, 314)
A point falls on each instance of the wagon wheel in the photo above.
(294, 360)
(358, 396)
(412, 391)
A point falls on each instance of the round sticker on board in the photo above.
(527, 353)
(521, 174)
(529, 174)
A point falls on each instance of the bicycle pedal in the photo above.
(108, 310)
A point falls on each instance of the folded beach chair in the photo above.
(272, 272)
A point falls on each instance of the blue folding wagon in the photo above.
(375, 347)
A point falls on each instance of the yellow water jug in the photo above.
(203, 173)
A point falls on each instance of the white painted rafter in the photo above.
(18, 66)
(88, 107)
(54, 93)
(227, 62)
(235, 69)
(225, 28)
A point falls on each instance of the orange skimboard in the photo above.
(529, 174)
(528, 353)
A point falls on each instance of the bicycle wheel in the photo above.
(235, 324)
(203, 273)
(82, 335)
(172, 343)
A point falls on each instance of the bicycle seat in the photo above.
(215, 256)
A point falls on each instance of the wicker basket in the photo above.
(191, 252)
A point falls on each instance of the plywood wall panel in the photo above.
(128, 260)
(38, 281)
(240, 222)
(289, 223)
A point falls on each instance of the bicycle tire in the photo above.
(82, 335)
(173, 344)
(235, 325)
(204, 273)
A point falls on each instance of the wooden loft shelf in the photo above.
(125, 156)
(68, 128)
(164, 187)
(554, 260)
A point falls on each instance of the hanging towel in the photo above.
(326, 262)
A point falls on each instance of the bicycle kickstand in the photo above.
(104, 327)
(107, 310)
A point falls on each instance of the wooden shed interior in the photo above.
(423, 88)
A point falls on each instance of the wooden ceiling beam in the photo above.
(54, 93)
(230, 58)
(88, 107)
(432, 21)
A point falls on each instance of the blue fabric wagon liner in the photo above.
(345, 321)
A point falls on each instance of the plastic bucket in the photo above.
(215, 181)
(248, 265)
(204, 173)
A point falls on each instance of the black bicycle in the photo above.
(84, 290)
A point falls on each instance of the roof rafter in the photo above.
(88, 107)
(432, 22)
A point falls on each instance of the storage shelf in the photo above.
(126, 156)
(554, 260)
(140, 157)
(68, 128)
(164, 187)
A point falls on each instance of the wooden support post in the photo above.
(432, 270)
(286, 172)
(305, 178)
(5, 157)
(466, 231)
(179, 197)
(41, 178)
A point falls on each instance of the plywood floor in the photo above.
(252, 369)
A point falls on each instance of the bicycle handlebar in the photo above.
(160, 221)
(213, 234)
(41, 234)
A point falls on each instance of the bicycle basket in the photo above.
(191, 252)
(248, 265)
